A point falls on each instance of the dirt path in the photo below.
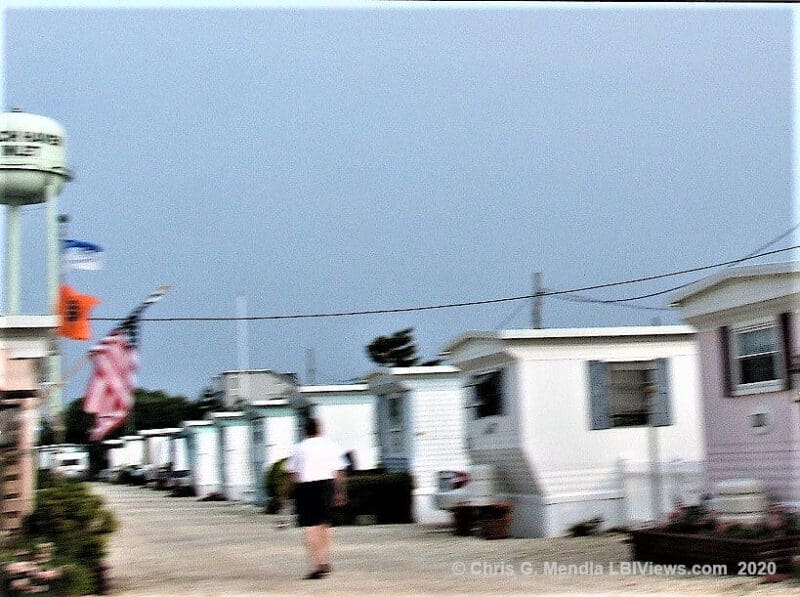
(179, 546)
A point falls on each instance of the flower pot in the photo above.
(497, 528)
(463, 521)
(496, 521)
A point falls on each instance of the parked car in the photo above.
(138, 475)
(472, 487)
(107, 474)
(180, 483)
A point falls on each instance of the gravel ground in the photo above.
(180, 546)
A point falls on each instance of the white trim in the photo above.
(333, 389)
(275, 402)
(760, 387)
(746, 271)
(627, 332)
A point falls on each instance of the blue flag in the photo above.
(78, 254)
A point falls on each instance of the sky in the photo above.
(325, 158)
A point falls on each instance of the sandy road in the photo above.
(180, 546)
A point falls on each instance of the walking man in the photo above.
(317, 473)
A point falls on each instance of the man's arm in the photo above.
(339, 488)
(288, 490)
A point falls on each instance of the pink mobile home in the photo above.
(748, 333)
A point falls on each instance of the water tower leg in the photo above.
(13, 252)
(53, 250)
(53, 278)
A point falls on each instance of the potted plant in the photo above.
(464, 520)
(496, 520)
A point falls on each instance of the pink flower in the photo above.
(18, 567)
(20, 584)
(48, 575)
(775, 521)
(723, 527)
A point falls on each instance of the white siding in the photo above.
(556, 418)
(179, 458)
(351, 426)
(116, 457)
(437, 433)
(280, 436)
(157, 450)
(437, 436)
(237, 472)
(206, 473)
(135, 448)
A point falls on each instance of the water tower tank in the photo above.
(31, 152)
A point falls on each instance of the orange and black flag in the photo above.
(73, 311)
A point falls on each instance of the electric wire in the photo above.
(459, 304)
(620, 302)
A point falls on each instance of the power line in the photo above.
(577, 298)
(454, 305)
(752, 255)
(508, 318)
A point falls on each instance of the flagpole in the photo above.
(56, 225)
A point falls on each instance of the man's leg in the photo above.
(327, 543)
(315, 545)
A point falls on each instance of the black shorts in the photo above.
(313, 502)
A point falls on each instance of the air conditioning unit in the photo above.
(474, 486)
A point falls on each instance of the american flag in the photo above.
(109, 394)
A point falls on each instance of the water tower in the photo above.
(32, 170)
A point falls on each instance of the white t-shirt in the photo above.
(315, 459)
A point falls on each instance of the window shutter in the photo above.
(724, 338)
(661, 400)
(786, 349)
(598, 394)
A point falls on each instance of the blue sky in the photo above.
(335, 158)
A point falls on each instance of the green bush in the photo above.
(276, 482)
(77, 523)
(388, 497)
(75, 579)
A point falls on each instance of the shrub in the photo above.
(275, 483)
(77, 523)
(75, 579)
(779, 521)
(388, 497)
(586, 528)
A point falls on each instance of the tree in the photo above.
(151, 410)
(397, 350)
(208, 402)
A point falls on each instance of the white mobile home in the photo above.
(178, 452)
(235, 455)
(420, 424)
(135, 454)
(240, 387)
(347, 413)
(115, 453)
(274, 432)
(157, 445)
(202, 447)
(559, 412)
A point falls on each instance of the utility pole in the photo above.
(311, 366)
(242, 341)
(656, 489)
(536, 303)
